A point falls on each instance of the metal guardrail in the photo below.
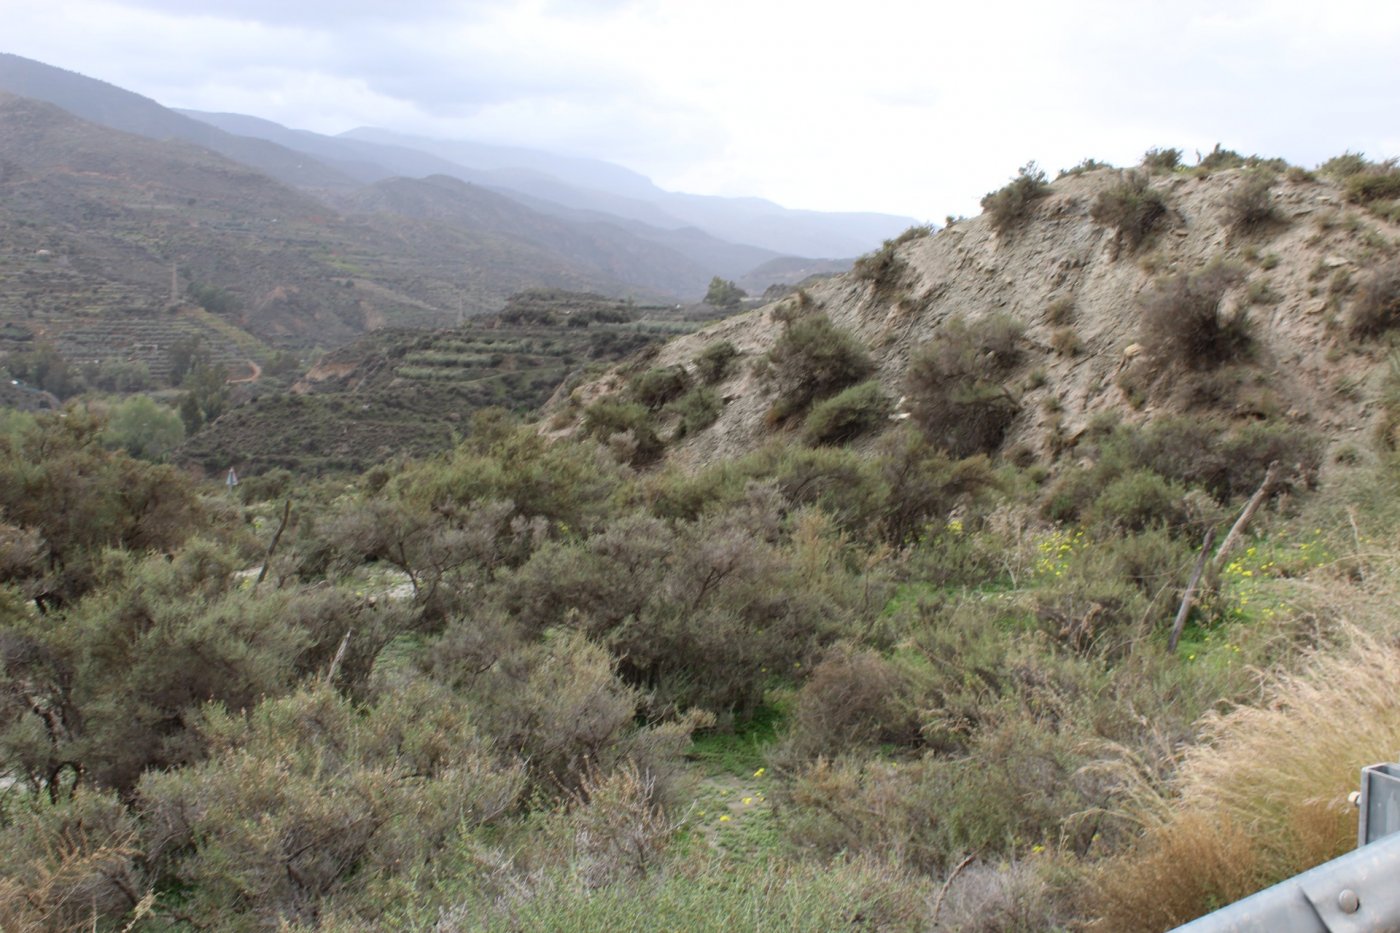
(1359, 891)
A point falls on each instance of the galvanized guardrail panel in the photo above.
(1380, 803)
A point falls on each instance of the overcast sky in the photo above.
(907, 106)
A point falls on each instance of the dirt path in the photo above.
(257, 373)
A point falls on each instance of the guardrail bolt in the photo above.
(1348, 901)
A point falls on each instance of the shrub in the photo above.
(1181, 320)
(627, 427)
(1161, 160)
(655, 387)
(1132, 207)
(712, 363)
(847, 415)
(65, 864)
(1377, 183)
(1264, 796)
(812, 360)
(724, 294)
(953, 384)
(1248, 205)
(853, 698)
(1220, 158)
(1065, 341)
(1344, 166)
(306, 798)
(1015, 785)
(1084, 167)
(697, 409)
(924, 484)
(1139, 500)
(1010, 206)
(883, 268)
(1060, 311)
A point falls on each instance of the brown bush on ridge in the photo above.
(1377, 305)
(1248, 205)
(954, 386)
(1132, 207)
(1182, 324)
(1011, 206)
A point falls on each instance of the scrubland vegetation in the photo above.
(890, 668)
(523, 686)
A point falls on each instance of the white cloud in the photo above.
(896, 105)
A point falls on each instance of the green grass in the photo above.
(742, 751)
(700, 894)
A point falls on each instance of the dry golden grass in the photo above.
(1264, 796)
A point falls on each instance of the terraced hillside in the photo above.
(398, 392)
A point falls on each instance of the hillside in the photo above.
(1075, 288)
(92, 221)
(1056, 638)
(485, 241)
(107, 105)
(398, 393)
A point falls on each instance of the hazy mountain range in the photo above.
(655, 241)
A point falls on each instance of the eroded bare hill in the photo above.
(1238, 293)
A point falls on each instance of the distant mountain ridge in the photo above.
(108, 105)
(578, 183)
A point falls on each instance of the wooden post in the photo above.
(272, 548)
(1189, 598)
(1237, 531)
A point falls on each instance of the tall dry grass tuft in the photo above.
(1264, 796)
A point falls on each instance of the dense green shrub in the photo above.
(306, 799)
(1182, 324)
(954, 388)
(57, 479)
(144, 429)
(697, 613)
(848, 414)
(563, 486)
(724, 294)
(1132, 207)
(627, 427)
(1138, 500)
(697, 410)
(814, 359)
(1011, 206)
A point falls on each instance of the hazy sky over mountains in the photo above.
(907, 106)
